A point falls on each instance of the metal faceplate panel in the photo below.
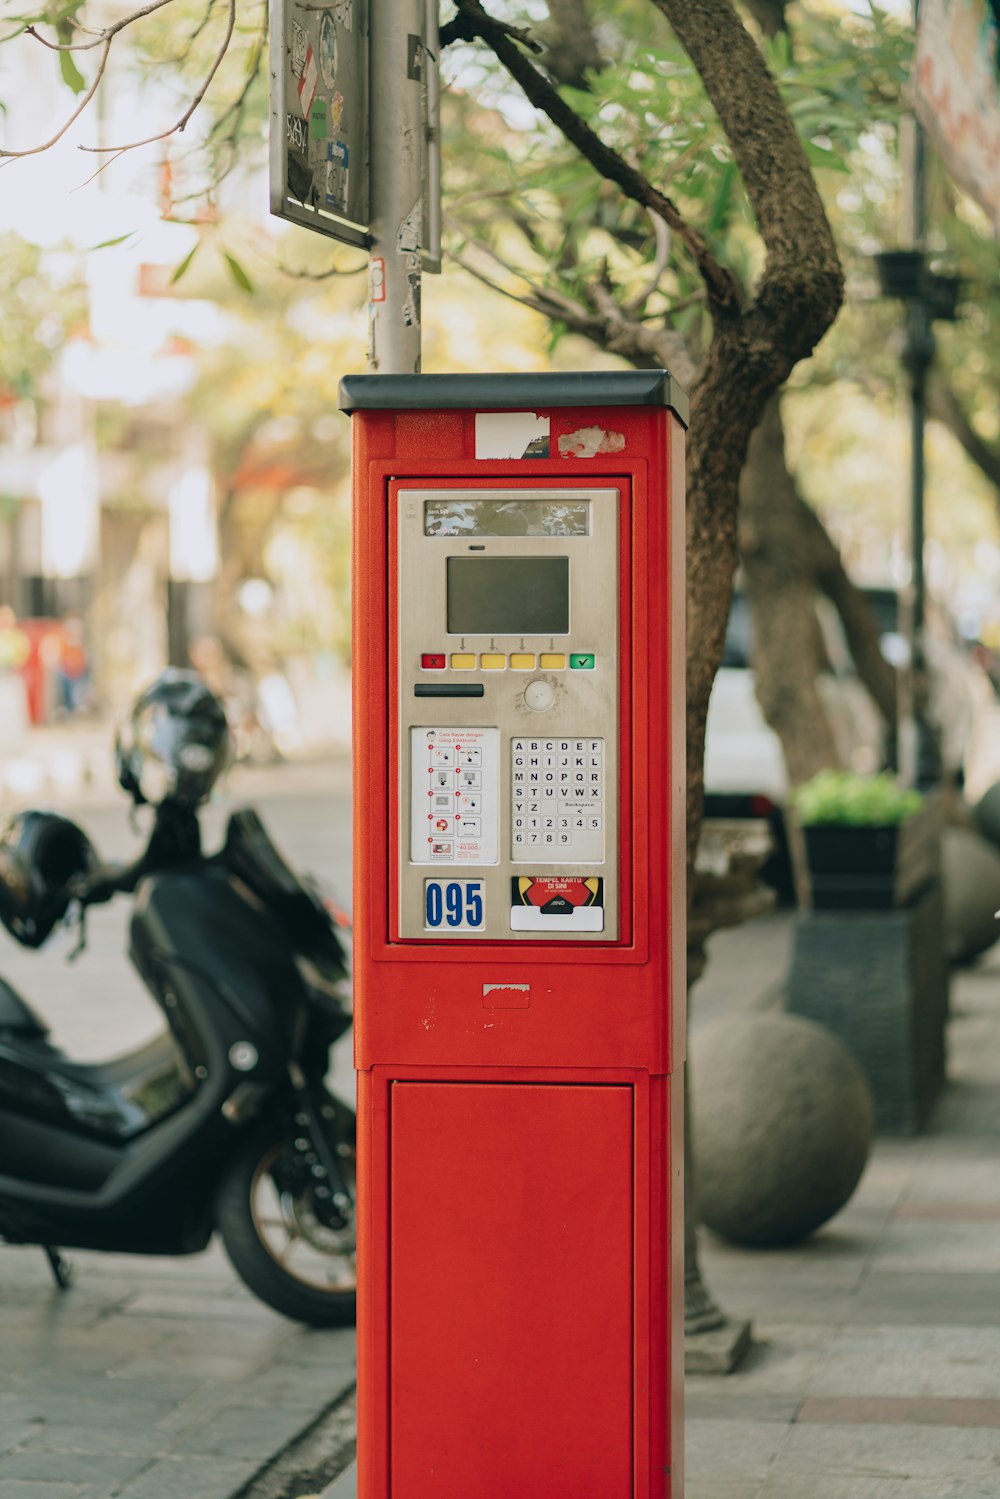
(508, 739)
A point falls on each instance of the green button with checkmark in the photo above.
(581, 661)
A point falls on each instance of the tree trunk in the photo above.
(856, 615)
(788, 647)
(753, 350)
(572, 48)
(788, 557)
(769, 15)
(943, 405)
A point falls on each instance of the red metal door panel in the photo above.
(511, 1306)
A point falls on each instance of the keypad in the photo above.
(557, 800)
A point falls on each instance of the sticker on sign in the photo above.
(308, 82)
(454, 906)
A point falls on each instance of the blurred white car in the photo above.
(745, 771)
(961, 694)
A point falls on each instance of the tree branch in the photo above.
(199, 96)
(608, 327)
(100, 37)
(540, 92)
(802, 284)
(78, 111)
(536, 299)
(572, 50)
(943, 406)
(466, 28)
(634, 308)
(642, 346)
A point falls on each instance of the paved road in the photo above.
(876, 1373)
(154, 1378)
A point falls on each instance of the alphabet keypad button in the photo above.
(557, 800)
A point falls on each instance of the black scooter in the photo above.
(221, 1123)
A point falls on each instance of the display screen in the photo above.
(508, 595)
(527, 516)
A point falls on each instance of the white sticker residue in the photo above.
(589, 441)
(511, 434)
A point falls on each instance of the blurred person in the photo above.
(15, 646)
(72, 665)
(210, 661)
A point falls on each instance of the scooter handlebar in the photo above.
(175, 839)
(101, 884)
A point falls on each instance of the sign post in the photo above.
(397, 217)
(355, 148)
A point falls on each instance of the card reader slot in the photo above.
(448, 689)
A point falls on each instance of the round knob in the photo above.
(539, 695)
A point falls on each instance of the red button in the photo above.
(432, 663)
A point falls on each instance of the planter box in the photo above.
(842, 867)
(879, 981)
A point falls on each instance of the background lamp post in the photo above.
(906, 275)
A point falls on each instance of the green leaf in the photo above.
(723, 195)
(71, 75)
(237, 272)
(822, 156)
(120, 239)
(185, 265)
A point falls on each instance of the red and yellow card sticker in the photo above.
(557, 895)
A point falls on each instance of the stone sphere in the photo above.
(782, 1121)
(986, 814)
(970, 872)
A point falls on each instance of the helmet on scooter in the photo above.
(40, 853)
(175, 743)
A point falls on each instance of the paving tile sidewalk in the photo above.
(150, 1379)
(155, 1378)
(875, 1372)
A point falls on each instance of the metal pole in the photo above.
(397, 211)
(920, 760)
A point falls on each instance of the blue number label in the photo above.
(454, 905)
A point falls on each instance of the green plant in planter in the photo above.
(860, 842)
(841, 797)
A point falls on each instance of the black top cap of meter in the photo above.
(513, 392)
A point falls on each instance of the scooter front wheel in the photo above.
(285, 1242)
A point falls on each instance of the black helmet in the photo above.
(175, 743)
(39, 855)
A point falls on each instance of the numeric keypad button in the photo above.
(557, 798)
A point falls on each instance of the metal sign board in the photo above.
(957, 92)
(319, 116)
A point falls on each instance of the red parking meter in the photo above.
(520, 933)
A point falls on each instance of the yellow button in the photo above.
(463, 663)
(493, 662)
(522, 663)
(552, 663)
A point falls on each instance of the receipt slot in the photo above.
(520, 933)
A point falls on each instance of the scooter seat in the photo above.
(17, 1017)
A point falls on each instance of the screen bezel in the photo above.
(499, 562)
